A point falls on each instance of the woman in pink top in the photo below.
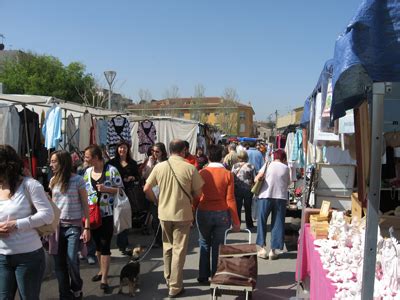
(216, 212)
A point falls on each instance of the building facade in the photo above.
(292, 118)
(230, 116)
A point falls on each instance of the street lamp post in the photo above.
(110, 76)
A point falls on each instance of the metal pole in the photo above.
(368, 276)
(109, 97)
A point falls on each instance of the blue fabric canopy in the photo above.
(368, 51)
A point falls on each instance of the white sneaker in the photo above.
(91, 260)
(262, 253)
(272, 255)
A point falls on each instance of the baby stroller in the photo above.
(236, 270)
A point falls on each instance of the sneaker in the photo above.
(77, 295)
(91, 260)
(272, 255)
(262, 253)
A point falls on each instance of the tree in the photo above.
(228, 118)
(145, 94)
(45, 75)
(172, 94)
(197, 112)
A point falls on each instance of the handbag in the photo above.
(258, 185)
(94, 215)
(46, 229)
(122, 212)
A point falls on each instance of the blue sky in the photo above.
(270, 52)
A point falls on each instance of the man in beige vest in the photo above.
(178, 182)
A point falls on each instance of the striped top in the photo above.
(25, 239)
(69, 203)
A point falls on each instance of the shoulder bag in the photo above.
(94, 215)
(122, 212)
(186, 193)
(46, 229)
(258, 185)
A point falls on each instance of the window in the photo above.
(242, 115)
(242, 127)
(181, 114)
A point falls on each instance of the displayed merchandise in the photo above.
(84, 124)
(147, 134)
(51, 128)
(342, 254)
(118, 129)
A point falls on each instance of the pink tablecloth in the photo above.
(320, 286)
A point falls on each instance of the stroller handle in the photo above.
(241, 230)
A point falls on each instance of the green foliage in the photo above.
(45, 75)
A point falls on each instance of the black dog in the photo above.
(130, 272)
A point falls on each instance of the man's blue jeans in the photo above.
(212, 226)
(67, 261)
(278, 209)
(23, 271)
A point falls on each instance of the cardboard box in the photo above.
(310, 211)
(356, 206)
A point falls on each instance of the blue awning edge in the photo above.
(368, 51)
(320, 87)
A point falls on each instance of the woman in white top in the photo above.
(273, 199)
(22, 261)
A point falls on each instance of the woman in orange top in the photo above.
(216, 211)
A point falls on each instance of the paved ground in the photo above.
(275, 278)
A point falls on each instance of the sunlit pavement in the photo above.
(275, 278)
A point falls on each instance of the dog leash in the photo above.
(151, 245)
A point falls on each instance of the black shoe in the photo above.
(203, 281)
(106, 288)
(79, 297)
(96, 277)
(178, 294)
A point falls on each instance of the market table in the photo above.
(311, 266)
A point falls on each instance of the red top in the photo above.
(191, 159)
(218, 191)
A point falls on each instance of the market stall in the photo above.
(40, 126)
(147, 131)
(365, 76)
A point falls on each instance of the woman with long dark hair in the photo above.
(129, 172)
(22, 261)
(102, 184)
(69, 193)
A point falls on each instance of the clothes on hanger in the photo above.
(9, 130)
(118, 129)
(85, 122)
(31, 146)
(102, 127)
(51, 128)
(147, 134)
(72, 133)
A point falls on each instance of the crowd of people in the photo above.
(179, 190)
